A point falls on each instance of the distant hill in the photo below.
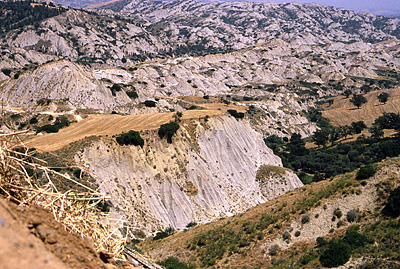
(79, 3)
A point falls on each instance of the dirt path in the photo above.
(100, 125)
(342, 112)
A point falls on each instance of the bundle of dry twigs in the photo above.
(77, 211)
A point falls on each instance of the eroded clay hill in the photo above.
(207, 172)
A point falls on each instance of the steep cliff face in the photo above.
(208, 172)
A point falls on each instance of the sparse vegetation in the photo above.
(174, 263)
(60, 122)
(163, 234)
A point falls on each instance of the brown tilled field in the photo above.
(100, 125)
(343, 112)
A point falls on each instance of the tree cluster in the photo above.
(168, 130)
(317, 164)
(60, 122)
(130, 138)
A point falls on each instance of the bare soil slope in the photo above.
(31, 238)
(343, 112)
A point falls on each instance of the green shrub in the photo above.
(338, 213)
(355, 239)
(286, 235)
(6, 71)
(163, 234)
(352, 215)
(77, 173)
(132, 94)
(33, 120)
(115, 88)
(150, 103)
(273, 250)
(191, 224)
(174, 263)
(168, 130)
(337, 253)
(104, 206)
(305, 219)
(308, 257)
(366, 171)
(234, 113)
(130, 138)
(392, 207)
(48, 128)
(60, 122)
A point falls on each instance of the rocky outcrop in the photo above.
(208, 172)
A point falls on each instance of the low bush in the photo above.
(168, 130)
(174, 263)
(115, 88)
(355, 239)
(338, 213)
(132, 94)
(366, 171)
(352, 215)
(60, 122)
(392, 207)
(273, 250)
(6, 71)
(150, 103)
(235, 114)
(305, 219)
(163, 234)
(130, 138)
(337, 253)
(191, 224)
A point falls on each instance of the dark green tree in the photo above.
(337, 253)
(168, 130)
(358, 100)
(388, 121)
(130, 138)
(383, 97)
(376, 132)
(321, 137)
(358, 126)
(392, 207)
(347, 93)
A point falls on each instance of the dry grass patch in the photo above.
(343, 112)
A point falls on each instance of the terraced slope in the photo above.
(101, 125)
(343, 112)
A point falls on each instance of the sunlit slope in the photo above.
(343, 112)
